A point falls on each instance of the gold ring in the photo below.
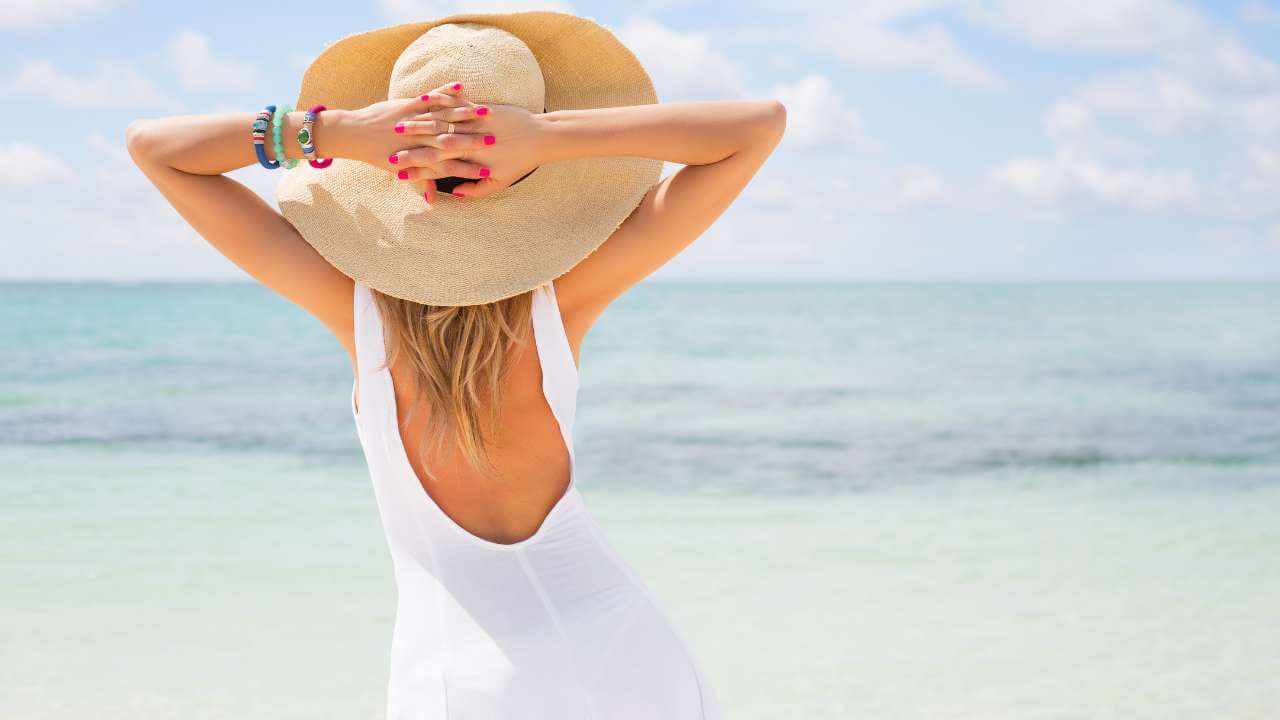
(450, 128)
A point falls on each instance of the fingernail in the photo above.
(458, 195)
(427, 198)
(489, 139)
(403, 174)
(426, 98)
(393, 159)
(400, 128)
(457, 86)
(484, 172)
(482, 111)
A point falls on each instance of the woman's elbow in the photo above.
(138, 141)
(772, 120)
(777, 112)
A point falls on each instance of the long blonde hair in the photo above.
(458, 360)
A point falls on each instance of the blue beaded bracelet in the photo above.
(276, 132)
(259, 135)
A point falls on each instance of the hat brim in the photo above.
(376, 228)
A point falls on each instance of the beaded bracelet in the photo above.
(306, 135)
(259, 136)
(276, 132)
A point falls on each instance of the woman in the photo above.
(545, 129)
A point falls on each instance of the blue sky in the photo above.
(927, 139)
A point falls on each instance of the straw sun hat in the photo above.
(376, 228)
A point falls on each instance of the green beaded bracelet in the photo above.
(277, 139)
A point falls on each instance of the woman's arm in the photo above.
(689, 133)
(721, 143)
(185, 156)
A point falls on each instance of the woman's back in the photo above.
(529, 451)
(552, 624)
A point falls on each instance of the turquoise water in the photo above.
(858, 500)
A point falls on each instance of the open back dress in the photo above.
(556, 626)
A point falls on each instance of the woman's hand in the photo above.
(410, 137)
(508, 146)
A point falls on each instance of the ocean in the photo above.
(879, 500)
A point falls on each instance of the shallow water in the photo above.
(906, 501)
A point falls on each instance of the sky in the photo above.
(926, 139)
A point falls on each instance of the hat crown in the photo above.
(493, 65)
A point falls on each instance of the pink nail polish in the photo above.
(393, 159)
(426, 98)
(457, 86)
(489, 139)
(400, 129)
(427, 198)
(403, 174)
(484, 172)
(482, 111)
(458, 194)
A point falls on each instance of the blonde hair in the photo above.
(458, 360)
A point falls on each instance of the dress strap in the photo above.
(559, 373)
(371, 349)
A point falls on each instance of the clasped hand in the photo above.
(492, 145)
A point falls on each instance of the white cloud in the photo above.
(1081, 172)
(1259, 13)
(1242, 238)
(1248, 186)
(919, 188)
(1089, 153)
(1067, 179)
(1125, 26)
(870, 35)
(31, 14)
(1198, 84)
(684, 65)
(110, 84)
(1266, 161)
(1201, 77)
(192, 58)
(817, 115)
(1074, 126)
(842, 186)
(1192, 44)
(1222, 62)
(1258, 116)
(1155, 98)
(1068, 119)
(419, 10)
(25, 164)
(870, 46)
(119, 214)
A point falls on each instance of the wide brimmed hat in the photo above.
(377, 228)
